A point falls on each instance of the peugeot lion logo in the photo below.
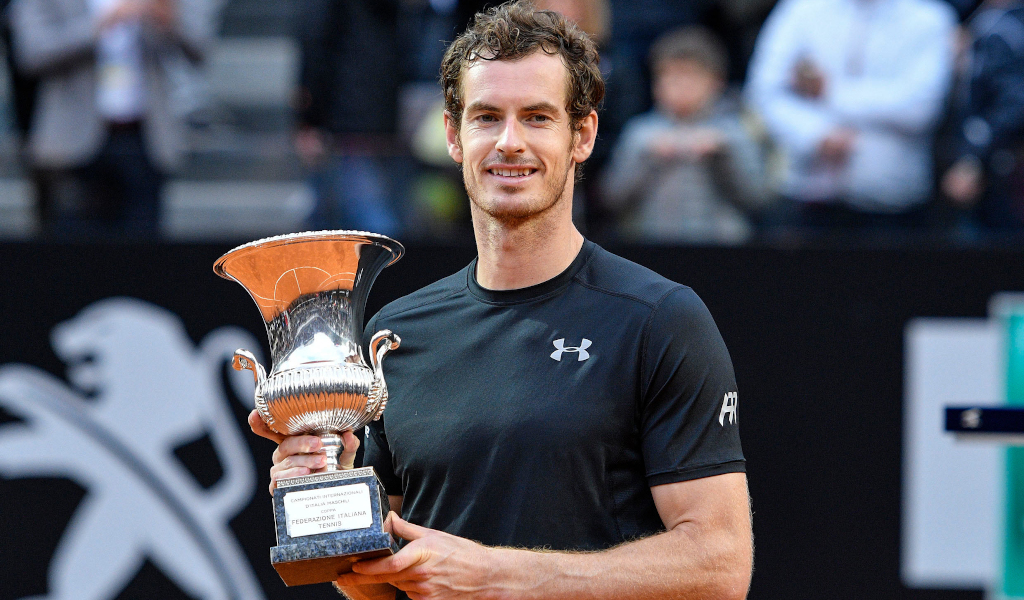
(137, 388)
(581, 349)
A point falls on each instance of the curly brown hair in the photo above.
(515, 30)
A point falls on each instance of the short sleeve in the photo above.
(689, 403)
(377, 452)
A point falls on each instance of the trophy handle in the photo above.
(243, 359)
(380, 344)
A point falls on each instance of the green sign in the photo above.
(1013, 547)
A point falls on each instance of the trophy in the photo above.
(311, 289)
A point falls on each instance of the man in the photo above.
(688, 170)
(549, 396)
(851, 91)
(347, 102)
(103, 129)
(989, 142)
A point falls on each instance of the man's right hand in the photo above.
(311, 146)
(963, 183)
(808, 80)
(836, 147)
(161, 13)
(298, 455)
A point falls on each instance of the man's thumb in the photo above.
(405, 529)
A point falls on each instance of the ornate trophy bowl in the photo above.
(311, 290)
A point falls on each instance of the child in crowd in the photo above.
(688, 170)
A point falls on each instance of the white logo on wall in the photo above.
(728, 408)
(561, 348)
(152, 391)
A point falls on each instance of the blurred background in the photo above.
(842, 182)
(726, 122)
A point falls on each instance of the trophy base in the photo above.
(326, 522)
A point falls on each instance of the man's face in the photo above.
(685, 87)
(515, 143)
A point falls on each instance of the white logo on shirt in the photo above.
(728, 408)
(581, 349)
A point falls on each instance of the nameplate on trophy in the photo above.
(326, 510)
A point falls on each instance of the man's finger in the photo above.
(279, 473)
(405, 529)
(285, 473)
(390, 565)
(354, 578)
(350, 444)
(296, 444)
(310, 461)
(259, 427)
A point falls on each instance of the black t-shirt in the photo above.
(541, 417)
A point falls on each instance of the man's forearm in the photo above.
(706, 553)
(669, 565)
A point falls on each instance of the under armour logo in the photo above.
(728, 408)
(582, 349)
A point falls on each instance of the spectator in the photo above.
(592, 16)
(635, 24)
(347, 112)
(687, 170)
(103, 130)
(988, 175)
(23, 87)
(851, 91)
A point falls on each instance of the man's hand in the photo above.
(694, 146)
(808, 79)
(311, 146)
(298, 455)
(963, 182)
(161, 13)
(706, 143)
(836, 147)
(433, 565)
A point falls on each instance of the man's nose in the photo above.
(510, 141)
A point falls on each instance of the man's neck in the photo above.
(517, 255)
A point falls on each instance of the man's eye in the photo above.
(487, 118)
(540, 118)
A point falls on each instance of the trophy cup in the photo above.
(311, 289)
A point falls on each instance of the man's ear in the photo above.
(585, 138)
(451, 133)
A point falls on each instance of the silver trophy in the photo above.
(311, 290)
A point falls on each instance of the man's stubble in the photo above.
(522, 212)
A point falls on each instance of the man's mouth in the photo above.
(511, 171)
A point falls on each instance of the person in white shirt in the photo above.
(104, 132)
(851, 92)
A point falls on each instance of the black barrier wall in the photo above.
(816, 336)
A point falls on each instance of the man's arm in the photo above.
(912, 98)
(45, 41)
(706, 553)
(796, 122)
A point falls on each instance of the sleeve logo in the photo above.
(728, 408)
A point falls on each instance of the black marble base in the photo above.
(321, 557)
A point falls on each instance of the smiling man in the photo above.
(563, 422)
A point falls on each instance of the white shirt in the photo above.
(121, 87)
(888, 65)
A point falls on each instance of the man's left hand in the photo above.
(433, 565)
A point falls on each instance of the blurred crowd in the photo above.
(726, 121)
